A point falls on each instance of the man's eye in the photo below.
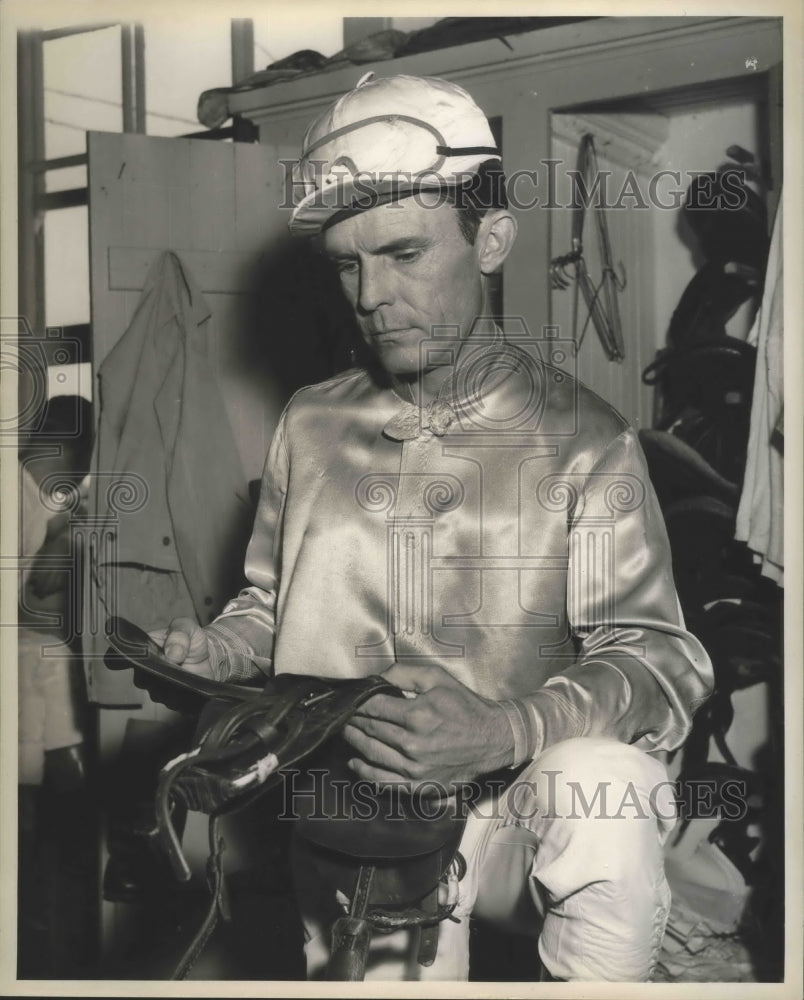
(407, 256)
(347, 267)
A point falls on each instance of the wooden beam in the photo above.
(71, 198)
(31, 185)
(83, 29)
(241, 130)
(59, 163)
(132, 54)
(585, 46)
(242, 48)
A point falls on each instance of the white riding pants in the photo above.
(571, 854)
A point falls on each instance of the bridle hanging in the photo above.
(604, 314)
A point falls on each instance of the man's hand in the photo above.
(445, 734)
(185, 643)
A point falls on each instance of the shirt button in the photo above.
(207, 601)
(166, 540)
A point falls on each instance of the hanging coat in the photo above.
(179, 549)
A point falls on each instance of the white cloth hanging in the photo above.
(760, 517)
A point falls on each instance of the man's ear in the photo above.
(495, 238)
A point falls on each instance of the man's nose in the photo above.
(375, 286)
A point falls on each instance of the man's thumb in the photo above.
(176, 647)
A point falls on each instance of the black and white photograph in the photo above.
(399, 560)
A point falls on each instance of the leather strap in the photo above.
(351, 936)
(244, 751)
(218, 907)
(427, 946)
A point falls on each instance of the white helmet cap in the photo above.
(384, 138)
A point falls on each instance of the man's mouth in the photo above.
(389, 334)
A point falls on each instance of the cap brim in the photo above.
(322, 207)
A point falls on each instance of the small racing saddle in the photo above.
(383, 853)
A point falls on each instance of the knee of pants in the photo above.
(594, 777)
(603, 803)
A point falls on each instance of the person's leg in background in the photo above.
(50, 804)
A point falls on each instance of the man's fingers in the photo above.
(375, 751)
(386, 707)
(386, 732)
(183, 640)
(377, 775)
(428, 791)
(189, 626)
(416, 677)
(177, 645)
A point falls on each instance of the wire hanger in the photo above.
(604, 312)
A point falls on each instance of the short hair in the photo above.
(67, 422)
(483, 191)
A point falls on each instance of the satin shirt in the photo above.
(508, 532)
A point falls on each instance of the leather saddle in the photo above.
(382, 853)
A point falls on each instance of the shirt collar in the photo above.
(454, 395)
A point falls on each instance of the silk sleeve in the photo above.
(639, 674)
(241, 638)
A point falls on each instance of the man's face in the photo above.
(406, 268)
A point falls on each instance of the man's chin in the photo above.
(397, 360)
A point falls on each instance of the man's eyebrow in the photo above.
(393, 246)
(402, 243)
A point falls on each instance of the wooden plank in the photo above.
(60, 163)
(664, 64)
(70, 198)
(211, 185)
(180, 210)
(106, 214)
(141, 181)
(214, 271)
(214, 134)
(54, 33)
(526, 287)
(630, 231)
(147, 194)
(663, 47)
(257, 191)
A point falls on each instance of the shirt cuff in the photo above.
(230, 658)
(525, 727)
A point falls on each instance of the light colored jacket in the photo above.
(509, 534)
(162, 419)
